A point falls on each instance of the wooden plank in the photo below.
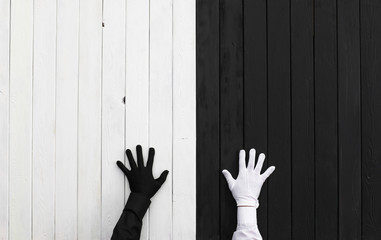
(4, 119)
(184, 120)
(371, 117)
(44, 78)
(349, 117)
(20, 146)
(255, 90)
(208, 138)
(279, 120)
(302, 112)
(160, 114)
(89, 120)
(137, 85)
(231, 106)
(326, 198)
(113, 113)
(66, 119)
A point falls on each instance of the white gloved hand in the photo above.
(247, 187)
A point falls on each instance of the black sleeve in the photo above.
(130, 222)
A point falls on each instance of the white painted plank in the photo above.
(89, 120)
(160, 119)
(113, 113)
(4, 116)
(66, 119)
(44, 76)
(184, 120)
(137, 88)
(20, 119)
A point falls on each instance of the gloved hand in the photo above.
(140, 177)
(247, 187)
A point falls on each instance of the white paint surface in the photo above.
(63, 123)
(66, 120)
(4, 119)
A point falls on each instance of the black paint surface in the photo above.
(301, 81)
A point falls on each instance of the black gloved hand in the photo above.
(140, 177)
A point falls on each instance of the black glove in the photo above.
(140, 177)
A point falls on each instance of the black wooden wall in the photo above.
(299, 80)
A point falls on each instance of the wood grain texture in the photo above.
(20, 146)
(89, 120)
(326, 125)
(231, 106)
(255, 90)
(160, 114)
(317, 112)
(371, 117)
(44, 121)
(113, 113)
(67, 68)
(137, 85)
(66, 120)
(349, 119)
(4, 119)
(184, 120)
(302, 121)
(208, 122)
(279, 120)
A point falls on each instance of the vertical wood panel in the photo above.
(137, 84)
(184, 120)
(44, 77)
(67, 119)
(302, 111)
(326, 120)
(208, 139)
(279, 120)
(255, 90)
(20, 180)
(4, 119)
(371, 118)
(160, 114)
(89, 120)
(113, 114)
(231, 106)
(349, 118)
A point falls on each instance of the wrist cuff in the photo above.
(248, 203)
(138, 204)
(246, 217)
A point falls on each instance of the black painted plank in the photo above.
(326, 196)
(208, 146)
(279, 120)
(371, 118)
(302, 112)
(349, 116)
(255, 90)
(231, 108)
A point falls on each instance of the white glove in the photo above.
(247, 187)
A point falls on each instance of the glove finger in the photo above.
(261, 159)
(268, 172)
(131, 159)
(151, 155)
(242, 157)
(250, 166)
(163, 177)
(139, 155)
(229, 179)
(122, 167)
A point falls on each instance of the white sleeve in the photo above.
(247, 228)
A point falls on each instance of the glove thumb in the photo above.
(229, 179)
(268, 172)
(163, 177)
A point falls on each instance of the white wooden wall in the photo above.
(63, 123)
